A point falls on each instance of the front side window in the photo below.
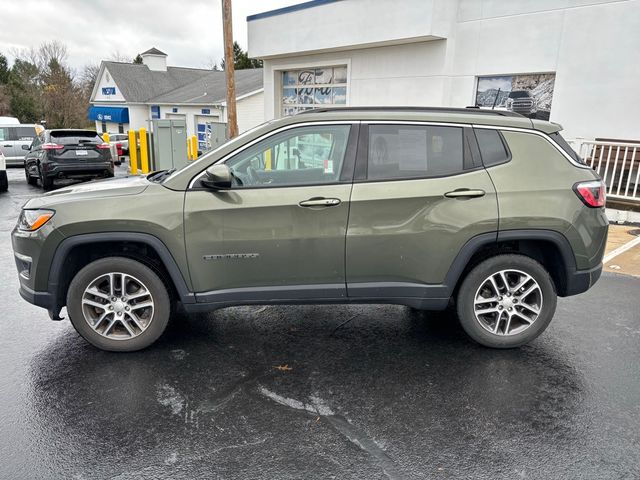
(408, 151)
(313, 88)
(300, 156)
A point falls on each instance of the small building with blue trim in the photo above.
(129, 96)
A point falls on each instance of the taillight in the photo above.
(592, 194)
(103, 146)
(51, 146)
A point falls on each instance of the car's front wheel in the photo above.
(506, 301)
(118, 304)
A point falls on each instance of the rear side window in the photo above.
(75, 137)
(559, 139)
(408, 151)
(492, 148)
(23, 133)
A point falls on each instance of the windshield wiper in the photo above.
(160, 175)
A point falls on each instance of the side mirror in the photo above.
(26, 147)
(217, 177)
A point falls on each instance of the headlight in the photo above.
(32, 220)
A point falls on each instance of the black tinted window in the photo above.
(405, 151)
(559, 139)
(75, 137)
(23, 133)
(492, 149)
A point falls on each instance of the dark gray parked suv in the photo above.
(67, 154)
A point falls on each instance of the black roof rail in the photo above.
(471, 110)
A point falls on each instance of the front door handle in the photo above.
(320, 202)
(465, 193)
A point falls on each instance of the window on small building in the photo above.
(405, 151)
(104, 127)
(313, 88)
(120, 128)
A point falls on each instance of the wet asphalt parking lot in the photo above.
(362, 392)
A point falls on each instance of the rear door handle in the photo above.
(465, 193)
(320, 202)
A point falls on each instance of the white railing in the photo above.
(617, 163)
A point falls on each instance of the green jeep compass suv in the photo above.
(411, 206)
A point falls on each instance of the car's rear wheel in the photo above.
(118, 304)
(506, 301)
(47, 183)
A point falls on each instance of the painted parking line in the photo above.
(621, 249)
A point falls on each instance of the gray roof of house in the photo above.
(212, 88)
(153, 51)
(138, 84)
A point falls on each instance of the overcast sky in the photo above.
(189, 31)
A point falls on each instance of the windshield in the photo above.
(518, 94)
(212, 152)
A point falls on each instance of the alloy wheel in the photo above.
(508, 302)
(118, 306)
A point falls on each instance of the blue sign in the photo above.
(155, 111)
(108, 90)
(206, 111)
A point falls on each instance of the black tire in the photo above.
(30, 180)
(154, 284)
(4, 182)
(46, 183)
(477, 277)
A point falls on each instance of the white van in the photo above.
(9, 121)
(15, 141)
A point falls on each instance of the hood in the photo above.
(113, 187)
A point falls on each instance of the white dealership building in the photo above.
(573, 61)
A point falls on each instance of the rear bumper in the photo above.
(579, 281)
(75, 170)
(14, 161)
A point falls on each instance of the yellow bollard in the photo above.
(189, 157)
(194, 147)
(105, 137)
(144, 151)
(267, 160)
(133, 152)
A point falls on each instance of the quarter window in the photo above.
(312, 88)
(492, 148)
(301, 156)
(407, 151)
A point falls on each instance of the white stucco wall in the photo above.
(592, 46)
(250, 111)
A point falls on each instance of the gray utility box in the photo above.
(169, 144)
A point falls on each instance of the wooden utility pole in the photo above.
(229, 69)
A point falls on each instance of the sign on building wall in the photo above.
(313, 88)
(108, 90)
(527, 94)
